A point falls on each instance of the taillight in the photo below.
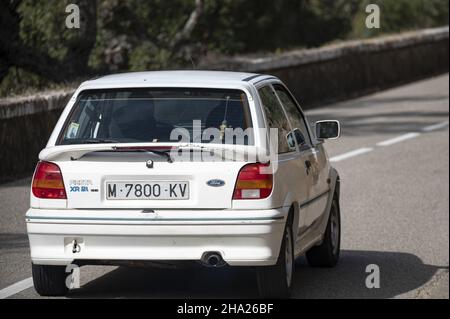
(48, 182)
(252, 184)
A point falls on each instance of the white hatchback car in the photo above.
(149, 167)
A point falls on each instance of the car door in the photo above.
(290, 169)
(312, 158)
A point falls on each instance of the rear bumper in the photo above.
(242, 237)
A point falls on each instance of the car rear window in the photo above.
(150, 115)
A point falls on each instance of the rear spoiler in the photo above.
(73, 152)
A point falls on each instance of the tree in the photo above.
(36, 49)
(149, 34)
(15, 51)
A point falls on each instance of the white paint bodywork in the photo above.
(244, 232)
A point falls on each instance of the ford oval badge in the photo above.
(215, 183)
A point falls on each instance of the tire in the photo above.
(327, 253)
(276, 281)
(49, 280)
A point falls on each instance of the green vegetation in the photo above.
(37, 51)
(401, 15)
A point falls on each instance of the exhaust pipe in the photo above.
(213, 259)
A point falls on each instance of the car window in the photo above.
(275, 117)
(295, 116)
(150, 115)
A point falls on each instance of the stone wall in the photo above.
(25, 126)
(351, 68)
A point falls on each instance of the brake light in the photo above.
(48, 182)
(251, 184)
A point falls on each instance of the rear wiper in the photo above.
(91, 141)
(126, 150)
(99, 141)
(132, 149)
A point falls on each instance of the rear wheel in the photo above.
(327, 254)
(49, 280)
(276, 281)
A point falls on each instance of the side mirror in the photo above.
(328, 130)
(295, 135)
(299, 137)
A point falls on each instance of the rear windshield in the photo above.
(150, 115)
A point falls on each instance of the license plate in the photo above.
(147, 190)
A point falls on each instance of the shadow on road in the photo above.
(400, 273)
(13, 241)
(195, 282)
(17, 183)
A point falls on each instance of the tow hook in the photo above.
(75, 247)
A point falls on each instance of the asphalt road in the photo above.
(393, 158)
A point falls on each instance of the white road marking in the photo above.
(353, 153)
(398, 139)
(435, 127)
(16, 288)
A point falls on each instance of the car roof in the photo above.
(176, 78)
